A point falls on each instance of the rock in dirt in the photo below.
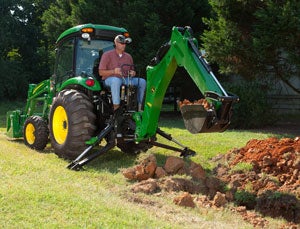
(251, 217)
(147, 168)
(219, 200)
(173, 184)
(160, 172)
(214, 185)
(185, 200)
(143, 171)
(196, 171)
(129, 173)
(173, 165)
(149, 186)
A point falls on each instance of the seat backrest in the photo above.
(97, 61)
(96, 66)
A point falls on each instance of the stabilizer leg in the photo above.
(83, 159)
(79, 163)
(185, 151)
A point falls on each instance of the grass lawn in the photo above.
(37, 191)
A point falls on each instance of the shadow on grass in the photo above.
(277, 204)
(115, 160)
(271, 203)
(112, 161)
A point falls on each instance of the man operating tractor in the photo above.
(114, 65)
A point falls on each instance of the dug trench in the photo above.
(260, 179)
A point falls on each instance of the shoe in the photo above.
(140, 108)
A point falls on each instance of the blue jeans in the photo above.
(115, 84)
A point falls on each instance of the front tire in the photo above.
(72, 123)
(35, 133)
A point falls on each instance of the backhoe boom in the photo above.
(182, 51)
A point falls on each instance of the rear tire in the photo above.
(128, 128)
(72, 123)
(35, 133)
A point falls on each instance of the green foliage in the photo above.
(249, 38)
(23, 48)
(242, 167)
(255, 38)
(149, 23)
(244, 198)
(275, 195)
(227, 41)
(12, 80)
(253, 110)
(276, 39)
(57, 18)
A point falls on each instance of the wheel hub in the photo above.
(29, 132)
(60, 125)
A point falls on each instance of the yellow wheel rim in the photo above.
(60, 125)
(29, 133)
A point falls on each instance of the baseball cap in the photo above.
(122, 39)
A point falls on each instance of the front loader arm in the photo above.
(39, 93)
(182, 51)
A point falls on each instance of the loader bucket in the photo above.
(14, 124)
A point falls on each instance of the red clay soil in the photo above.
(202, 102)
(263, 176)
(277, 158)
(272, 186)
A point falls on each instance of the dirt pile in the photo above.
(154, 178)
(262, 176)
(271, 164)
(202, 102)
(280, 159)
(265, 176)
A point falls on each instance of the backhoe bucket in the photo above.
(14, 124)
(197, 119)
(194, 117)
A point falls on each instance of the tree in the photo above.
(149, 23)
(276, 40)
(11, 41)
(255, 39)
(23, 47)
(57, 18)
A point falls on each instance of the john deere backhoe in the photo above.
(74, 110)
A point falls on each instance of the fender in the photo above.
(90, 83)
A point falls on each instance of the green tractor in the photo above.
(75, 111)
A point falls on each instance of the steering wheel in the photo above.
(126, 68)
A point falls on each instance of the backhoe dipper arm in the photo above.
(182, 50)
